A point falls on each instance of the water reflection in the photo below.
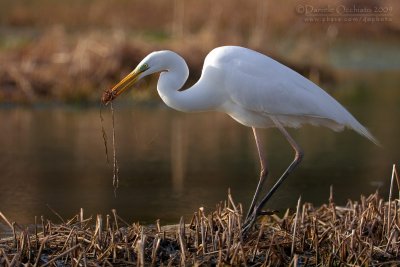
(171, 163)
(178, 155)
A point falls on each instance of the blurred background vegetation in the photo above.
(57, 53)
(70, 51)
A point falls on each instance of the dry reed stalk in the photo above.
(40, 250)
(55, 213)
(156, 245)
(4, 258)
(15, 259)
(78, 259)
(397, 178)
(115, 161)
(6, 220)
(359, 233)
(104, 134)
(181, 234)
(390, 199)
(115, 179)
(295, 227)
(140, 250)
(99, 228)
(60, 255)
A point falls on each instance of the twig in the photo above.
(115, 161)
(104, 134)
(55, 213)
(40, 250)
(181, 242)
(6, 220)
(390, 199)
(15, 259)
(295, 226)
(62, 254)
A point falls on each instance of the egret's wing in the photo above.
(261, 84)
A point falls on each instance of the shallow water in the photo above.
(171, 163)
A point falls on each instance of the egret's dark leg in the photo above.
(297, 159)
(264, 171)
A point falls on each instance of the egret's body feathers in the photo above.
(252, 88)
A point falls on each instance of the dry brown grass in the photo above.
(56, 67)
(59, 67)
(76, 49)
(234, 19)
(361, 233)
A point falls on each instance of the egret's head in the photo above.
(147, 66)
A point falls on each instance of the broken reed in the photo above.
(359, 233)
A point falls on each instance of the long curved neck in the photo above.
(194, 99)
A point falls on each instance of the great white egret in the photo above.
(253, 89)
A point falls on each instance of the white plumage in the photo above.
(257, 87)
(253, 89)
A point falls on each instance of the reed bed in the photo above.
(56, 66)
(364, 232)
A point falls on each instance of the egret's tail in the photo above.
(359, 128)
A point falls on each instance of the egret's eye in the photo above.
(144, 67)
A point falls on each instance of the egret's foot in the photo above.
(247, 225)
(268, 212)
(252, 218)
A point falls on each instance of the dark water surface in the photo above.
(171, 163)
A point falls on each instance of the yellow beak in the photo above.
(110, 94)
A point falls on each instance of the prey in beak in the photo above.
(112, 93)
